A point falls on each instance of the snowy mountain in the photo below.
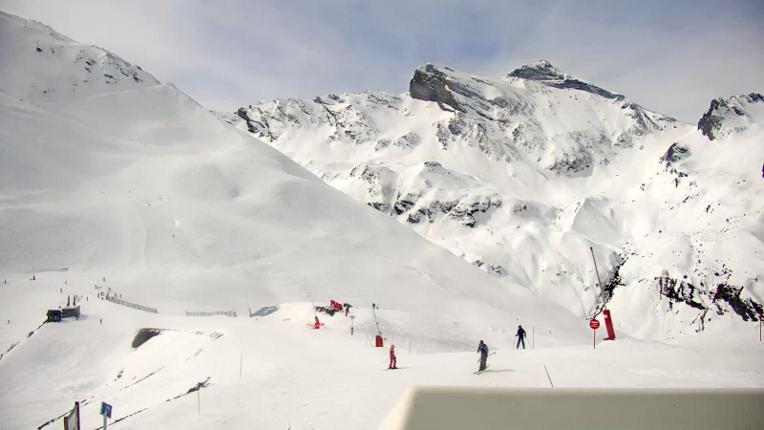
(521, 175)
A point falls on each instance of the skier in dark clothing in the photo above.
(393, 359)
(483, 350)
(520, 337)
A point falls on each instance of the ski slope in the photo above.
(275, 372)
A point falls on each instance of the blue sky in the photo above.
(670, 56)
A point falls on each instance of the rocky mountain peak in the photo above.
(731, 115)
(545, 73)
(539, 71)
(429, 84)
(80, 70)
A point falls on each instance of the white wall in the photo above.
(444, 408)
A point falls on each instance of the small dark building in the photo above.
(70, 311)
(54, 315)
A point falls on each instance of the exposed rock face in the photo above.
(242, 113)
(543, 70)
(747, 308)
(731, 115)
(546, 73)
(721, 299)
(144, 335)
(676, 152)
(429, 84)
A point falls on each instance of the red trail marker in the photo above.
(594, 324)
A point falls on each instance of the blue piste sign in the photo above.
(106, 409)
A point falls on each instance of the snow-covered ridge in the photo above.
(543, 71)
(521, 175)
(559, 123)
(62, 67)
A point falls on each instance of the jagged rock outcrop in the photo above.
(731, 115)
(549, 75)
(430, 84)
(723, 298)
(674, 153)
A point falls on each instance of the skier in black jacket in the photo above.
(483, 350)
(520, 337)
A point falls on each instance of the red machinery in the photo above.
(608, 325)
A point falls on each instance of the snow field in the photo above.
(294, 375)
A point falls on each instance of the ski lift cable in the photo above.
(374, 313)
(597, 272)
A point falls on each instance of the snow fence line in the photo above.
(210, 313)
(475, 408)
(132, 305)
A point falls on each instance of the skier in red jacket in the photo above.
(393, 359)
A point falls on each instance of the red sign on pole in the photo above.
(594, 324)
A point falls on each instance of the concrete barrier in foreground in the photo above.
(446, 408)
